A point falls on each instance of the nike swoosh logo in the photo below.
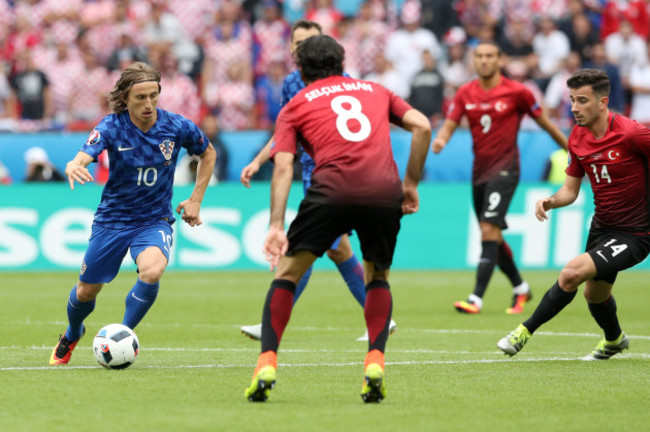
(581, 158)
(138, 299)
(470, 106)
(120, 148)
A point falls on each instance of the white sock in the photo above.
(478, 301)
(522, 288)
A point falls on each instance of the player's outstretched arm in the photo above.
(444, 134)
(276, 243)
(191, 207)
(76, 170)
(252, 168)
(420, 127)
(563, 197)
(545, 123)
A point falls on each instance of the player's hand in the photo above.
(248, 172)
(437, 145)
(78, 173)
(189, 211)
(411, 203)
(541, 208)
(275, 246)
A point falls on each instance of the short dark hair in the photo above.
(595, 78)
(491, 43)
(305, 24)
(319, 57)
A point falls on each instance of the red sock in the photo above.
(377, 311)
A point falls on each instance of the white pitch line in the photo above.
(355, 364)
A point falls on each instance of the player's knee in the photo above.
(87, 292)
(570, 278)
(339, 255)
(151, 274)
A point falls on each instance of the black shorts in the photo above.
(613, 251)
(317, 225)
(492, 198)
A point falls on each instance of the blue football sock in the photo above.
(302, 283)
(352, 273)
(77, 313)
(138, 301)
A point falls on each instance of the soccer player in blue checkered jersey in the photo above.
(341, 251)
(135, 212)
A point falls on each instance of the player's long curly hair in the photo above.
(319, 57)
(136, 73)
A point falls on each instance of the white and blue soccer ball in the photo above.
(116, 346)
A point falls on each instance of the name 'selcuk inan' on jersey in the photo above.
(338, 88)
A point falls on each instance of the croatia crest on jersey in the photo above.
(94, 137)
(167, 149)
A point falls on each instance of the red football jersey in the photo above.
(618, 169)
(494, 117)
(344, 125)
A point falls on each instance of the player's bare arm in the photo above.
(276, 243)
(420, 127)
(444, 134)
(252, 168)
(76, 170)
(564, 196)
(555, 132)
(190, 208)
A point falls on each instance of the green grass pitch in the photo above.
(443, 370)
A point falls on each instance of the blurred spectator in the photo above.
(100, 24)
(640, 85)
(475, 14)
(61, 19)
(557, 95)
(599, 61)
(554, 172)
(196, 16)
(7, 109)
(616, 11)
(60, 72)
(517, 70)
(404, 46)
(582, 36)
(179, 93)
(164, 33)
(371, 34)
(210, 128)
(385, 74)
(438, 16)
(31, 90)
(125, 49)
(102, 168)
(236, 98)
(551, 47)
(624, 48)
(457, 71)
(228, 42)
(427, 90)
(5, 177)
(349, 40)
(516, 44)
(86, 103)
(268, 92)
(565, 22)
(39, 167)
(324, 13)
(186, 169)
(270, 37)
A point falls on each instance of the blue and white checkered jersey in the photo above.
(291, 86)
(141, 166)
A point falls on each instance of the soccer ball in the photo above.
(116, 346)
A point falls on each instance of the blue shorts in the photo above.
(107, 248)
(307, 169)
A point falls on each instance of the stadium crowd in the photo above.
(227, 58)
